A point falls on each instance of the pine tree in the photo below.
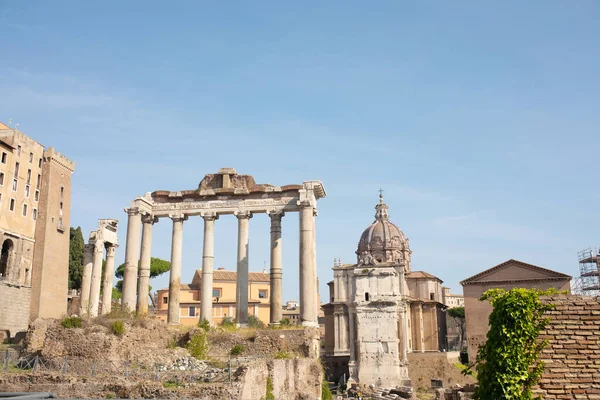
(76, 255)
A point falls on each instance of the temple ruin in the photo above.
(219, 194)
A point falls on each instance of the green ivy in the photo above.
(508, 365)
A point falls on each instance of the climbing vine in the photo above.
(508, 365)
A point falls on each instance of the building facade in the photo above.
(35, 201)
(507, 275)
(223, 298)
(380, 310)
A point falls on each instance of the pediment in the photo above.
(513, 270)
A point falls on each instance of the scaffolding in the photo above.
(588, 283)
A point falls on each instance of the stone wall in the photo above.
(423, 367)
(572, 357)
(14, 308)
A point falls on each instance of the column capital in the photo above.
(149, 219)
(99, 246)
(132, 211)
(110, 249)
(89, 247)
(276, 214)
(243, 214)
(178, 217)
(209, 216)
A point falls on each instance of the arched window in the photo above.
(5, 257)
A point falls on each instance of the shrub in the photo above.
(198, 345)
(254, 322)
(237, 350)
(118, 328)
(285, 322)
(325, 391)
(282, 355)
(71, 322)
(204, 324)
(228, 323)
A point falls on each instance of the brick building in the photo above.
(35, 201)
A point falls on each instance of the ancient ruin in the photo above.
(219, 194)
(105, 237)
(380, 310)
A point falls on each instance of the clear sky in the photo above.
(478, 119)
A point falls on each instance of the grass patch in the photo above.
(269, 395)
(118, 328)
(283, 355)
(172, 384)
(237, 350)
(228, 324)
(71, 322)
(204, 324)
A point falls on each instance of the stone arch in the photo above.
(6, 257)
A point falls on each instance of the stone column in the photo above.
(421, 330)
(132, 252)
(86, 280)
(96, 278)
(308, 270)
(276, 272)
(175, 278)
(144, 271)
(208, 259)
(352, 366)
(241, 295)
(107, 284)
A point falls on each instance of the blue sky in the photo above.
(479, 120)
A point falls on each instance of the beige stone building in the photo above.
(35, 201)
(380, 310)
(223, 297)
(507, 275)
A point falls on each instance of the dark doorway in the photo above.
(5, 257)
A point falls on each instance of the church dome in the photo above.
(383, 241)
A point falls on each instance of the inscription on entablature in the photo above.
(223, 204)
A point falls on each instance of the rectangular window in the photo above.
(191, 311)
(12, 205)
(0, 198)
(18, 150)
(263, 294)
(34, 214)
(40, 163)
(36, 195)
(24, 210)
(28, 176)
(14, 187)
(38, 182)
(4, 156)
(60, 224)
(217, 292)
(165, 300)
(16, 170)
(26, 190)
(30, 158)
(1, 178)
(62, 193)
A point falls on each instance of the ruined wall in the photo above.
(14, 308)
(423, 367)
(572, 357)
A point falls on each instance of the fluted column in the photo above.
(175, 277)
(86, 279)
(107, 284)
(276, 271)
(308, 270)
(96, 278)
(132, 253)
(241, 298)
(208, 259)
(145, 258)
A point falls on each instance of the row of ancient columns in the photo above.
(91, 279)
(308, 273)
